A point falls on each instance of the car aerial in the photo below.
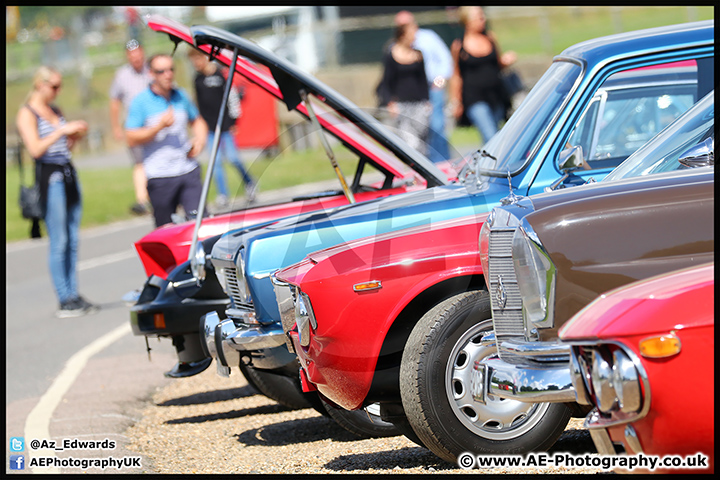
(629, 348)
(523, 156)
(172, 300)
(386, 284)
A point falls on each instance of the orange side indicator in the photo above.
(660, 346)
(364, 287)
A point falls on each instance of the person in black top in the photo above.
(406, 88)
(476, 88)
(209, 89)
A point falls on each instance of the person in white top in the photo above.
(131, 79)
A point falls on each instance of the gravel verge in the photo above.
(209, 424)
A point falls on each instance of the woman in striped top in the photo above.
(49, 138)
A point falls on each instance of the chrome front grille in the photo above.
(231, 280)
(505, 297)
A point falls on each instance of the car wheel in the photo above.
(435, 377)
(365, 423)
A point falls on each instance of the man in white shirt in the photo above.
(131, 79)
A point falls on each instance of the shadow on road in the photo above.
(574, 442)
(245, 412)
(408, 457)
(291, 432)
(210, 397)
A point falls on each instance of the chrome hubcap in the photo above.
(498, 418)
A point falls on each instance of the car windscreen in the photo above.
(514, 143)
(661, 154)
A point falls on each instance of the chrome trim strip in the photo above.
(535, 349)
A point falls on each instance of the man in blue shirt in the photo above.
(438, 69)
(157, 121)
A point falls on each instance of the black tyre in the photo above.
(365, 423)
(283, 389)
(436, 395)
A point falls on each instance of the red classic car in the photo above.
(412, 280)
(642, 356)
(386, 165)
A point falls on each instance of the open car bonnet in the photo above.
(343, 119)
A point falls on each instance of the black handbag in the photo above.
(512, 82)
(30, 207)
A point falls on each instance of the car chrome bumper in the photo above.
(531, 382)
(227, 340)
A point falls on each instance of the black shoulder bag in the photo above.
(29, 196)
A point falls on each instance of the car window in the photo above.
(662, 153)
(628, 111)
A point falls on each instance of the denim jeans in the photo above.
(437, 142)
(63, 228)
(485, 118)
(226, 152)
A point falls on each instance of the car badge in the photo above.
(500, 294)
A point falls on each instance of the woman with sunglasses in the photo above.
(49, 139)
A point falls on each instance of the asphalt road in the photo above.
(78, 378)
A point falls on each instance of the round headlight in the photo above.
(601, 376)
(626, 382)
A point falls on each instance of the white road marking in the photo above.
(37, 424)
(104, 260)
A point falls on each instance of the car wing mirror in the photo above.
(569, 160)
(701, 155)
(572, 158)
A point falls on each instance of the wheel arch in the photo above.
(385, 384)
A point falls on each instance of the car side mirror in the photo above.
(571, 159)
(701, 155)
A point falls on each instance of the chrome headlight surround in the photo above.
(197, 263)
(484, 246)
(612, 379)
(304, 316)
(536, 275)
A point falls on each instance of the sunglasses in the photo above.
(160, 72)
(132, 45)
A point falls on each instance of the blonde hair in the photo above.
(42, 74)
(464, 13)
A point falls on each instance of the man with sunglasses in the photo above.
(158, 121)
(131, 79)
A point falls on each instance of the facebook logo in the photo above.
(17, 444)
(17, 462)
